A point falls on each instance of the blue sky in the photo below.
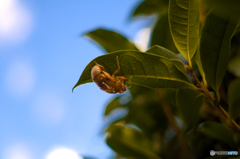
(42, 55)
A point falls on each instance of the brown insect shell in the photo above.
(106, 82)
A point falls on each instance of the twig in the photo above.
(213, 101)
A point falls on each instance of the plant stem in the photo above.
(215, 103)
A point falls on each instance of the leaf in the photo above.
(217, 131)
(129, 142)
(161, 34)
(189, 102)
(161, 51)
(199, 64)
(146, 112)
(110, 40)
(215, 47)
(112, 105)
(136, 90)
(142, 68)
(234, 64)
(184, 26)
(234, 98)
(229, 7)
(149, 7)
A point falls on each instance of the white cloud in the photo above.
(17, 151)
(141, 40)
(20, 78)
(15, 22)
(63, 153)
(49, 108)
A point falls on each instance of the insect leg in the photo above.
(118, 70)
(124, 79)
(121, 78)
(100, 66)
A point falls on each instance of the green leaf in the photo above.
(234, 64)
(161, 34)
(229, 7)
(215, 47)
(217, 131)
(189, 102)
(112, 105)
(129, 142)
(136, 90)
(234, 98)
(110, 40)
(149, 7)
(142, 68)
(184, 26)
(199, 64)
(146, 112)
(161, 51)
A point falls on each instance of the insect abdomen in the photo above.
(96, 73)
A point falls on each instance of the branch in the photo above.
(213, 101)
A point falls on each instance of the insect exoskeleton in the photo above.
(106, 82)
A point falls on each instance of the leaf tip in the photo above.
(74, 87)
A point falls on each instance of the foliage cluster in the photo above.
(184, 98)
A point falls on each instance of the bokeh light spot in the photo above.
(15, 22)
(49, 108)
(20, 78)
(17, 151)
(63, 153)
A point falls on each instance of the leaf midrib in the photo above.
(188, 24)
